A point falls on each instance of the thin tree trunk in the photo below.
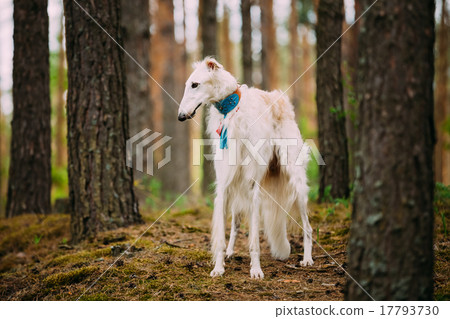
(175, 176)
(441, 172)
(391, 241)
(136, 39)
(100, 184)
(330, 109)
(208, 27)
(294, 54)
(30, 168)
(308, 109)
(61, 150)
(247, 61)
(269, 55)
(226, 44)
(349, 67)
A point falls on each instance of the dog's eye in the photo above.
(194, 85)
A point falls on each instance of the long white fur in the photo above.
(238, 187)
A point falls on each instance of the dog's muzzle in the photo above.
(183, 117)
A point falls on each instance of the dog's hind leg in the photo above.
(298, 180)
(255, 266)
(235, 224)
(307, 231)
(218, 243)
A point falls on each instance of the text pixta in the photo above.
(304, 311)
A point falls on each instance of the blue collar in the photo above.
(225, 106)
(229, 103)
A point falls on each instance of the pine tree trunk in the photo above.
(208, 26)
(136, 40)
(330, 109)
(100, 184)
(350, 66)
(247, 61)
(307, 84)
(441, 171)
(269, 55)
(294, 54)
(226, 49)
(30, 168)
(175, 176)
(391, 241)
(60, 103)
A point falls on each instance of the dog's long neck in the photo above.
(224, 85)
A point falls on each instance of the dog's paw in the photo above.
(256, 273)
(229, 253)
(216, 272)
(307, 262)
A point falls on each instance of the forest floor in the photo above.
(171, 261)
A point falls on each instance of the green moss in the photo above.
(342, 232)
(197, 255)
(186, 212)
(194, 254)
(71, 277)
(22, 231)
(79, 257)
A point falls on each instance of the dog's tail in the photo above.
(275, 220)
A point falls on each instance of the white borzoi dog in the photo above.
(266, 180)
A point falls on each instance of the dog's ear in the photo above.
(212, 64)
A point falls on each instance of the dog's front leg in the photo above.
(218, 235)
(235, 224)
(255, 266)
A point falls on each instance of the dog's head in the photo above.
(204, 86)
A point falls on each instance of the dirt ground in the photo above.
(171, 261)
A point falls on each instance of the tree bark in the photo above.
(330, 110)
(208, 27)
(30, 168)
(441, 171)
(269, 55)
(60, 103)
(100, 184)
(136, 39)
(247, 61)
(175, 176)
(391, 241)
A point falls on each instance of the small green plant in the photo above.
(330, 211)
(64, 241)
(327, 194)
(444, 224)
(37, 239)
(209, 202)
(341, 201)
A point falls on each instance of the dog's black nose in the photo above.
(182, 117)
